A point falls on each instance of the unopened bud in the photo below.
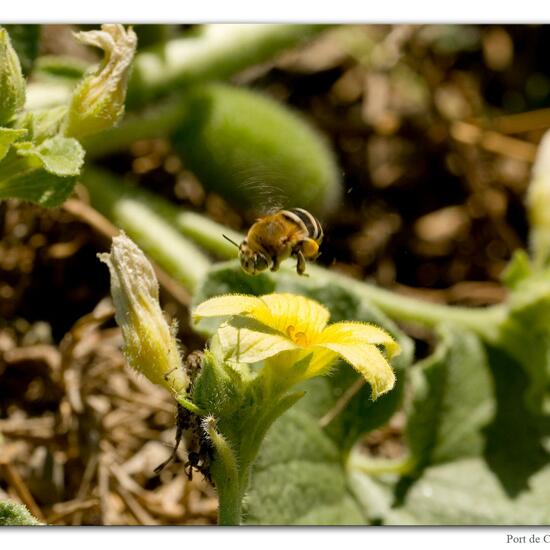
(98, 101)
(149, 343)
(12, 82)
(538, 204)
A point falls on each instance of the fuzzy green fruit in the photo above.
(255, 152)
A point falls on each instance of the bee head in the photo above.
(253, 262)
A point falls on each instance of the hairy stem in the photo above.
(218, 52)
(158, 121)
(225, 473)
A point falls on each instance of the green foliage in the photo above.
(8, 136)
(506, 482)
(255, 152)
(307, 448)
(299, 478)
(525, 332)
(213, 53)
(42, 173)
(453, 400)
(12, 82)
(26, 42)
(39, 157)
(13, 514)
(476, 447)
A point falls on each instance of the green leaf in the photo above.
(58, 155)
(518, 269)
(525, 333)
(506, 483)
(42, 124)
(64, 68)
(44, 174)
(8, 136)
(37, 186)
(467, 492)
(12, 513)
(298, 478)
(453, 400)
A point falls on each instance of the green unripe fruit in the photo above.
(255, 152)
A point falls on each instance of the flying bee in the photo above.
(275, 237)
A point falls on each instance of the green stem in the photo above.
(225, 473)
(147, 221)
(158, 121)
(217, 53)
(380, 466)
(207, 233)
(483, 321)
(190, 406)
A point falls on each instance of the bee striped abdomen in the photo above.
(309, 224)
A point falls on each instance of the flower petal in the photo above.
(359, 333)
(228, 305)
(368, 361)
(293, 315)
(248, 342)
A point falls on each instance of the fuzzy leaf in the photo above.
(505, 483)
(37, 186)
(44, 174)
(58, 155)
(8, 136)
(453, 400)
(298, 478)
(467, 492)
(12, 513)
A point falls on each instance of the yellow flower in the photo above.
(290, 328)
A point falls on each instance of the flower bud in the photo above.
(98, 101)
(12, 82)
(149, 343)
(538, 204)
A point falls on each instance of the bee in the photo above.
(275, 237)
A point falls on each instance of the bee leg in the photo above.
(276, 263)
(301, 264)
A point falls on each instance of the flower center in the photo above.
(297, 337)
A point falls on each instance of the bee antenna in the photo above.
(231, 241)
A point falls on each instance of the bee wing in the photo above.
(271, 197)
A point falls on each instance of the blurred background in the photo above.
(434, 129)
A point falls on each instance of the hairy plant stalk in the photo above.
(218, 52)
(158, 121)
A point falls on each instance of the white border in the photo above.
(266, 538)
(312, 11)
